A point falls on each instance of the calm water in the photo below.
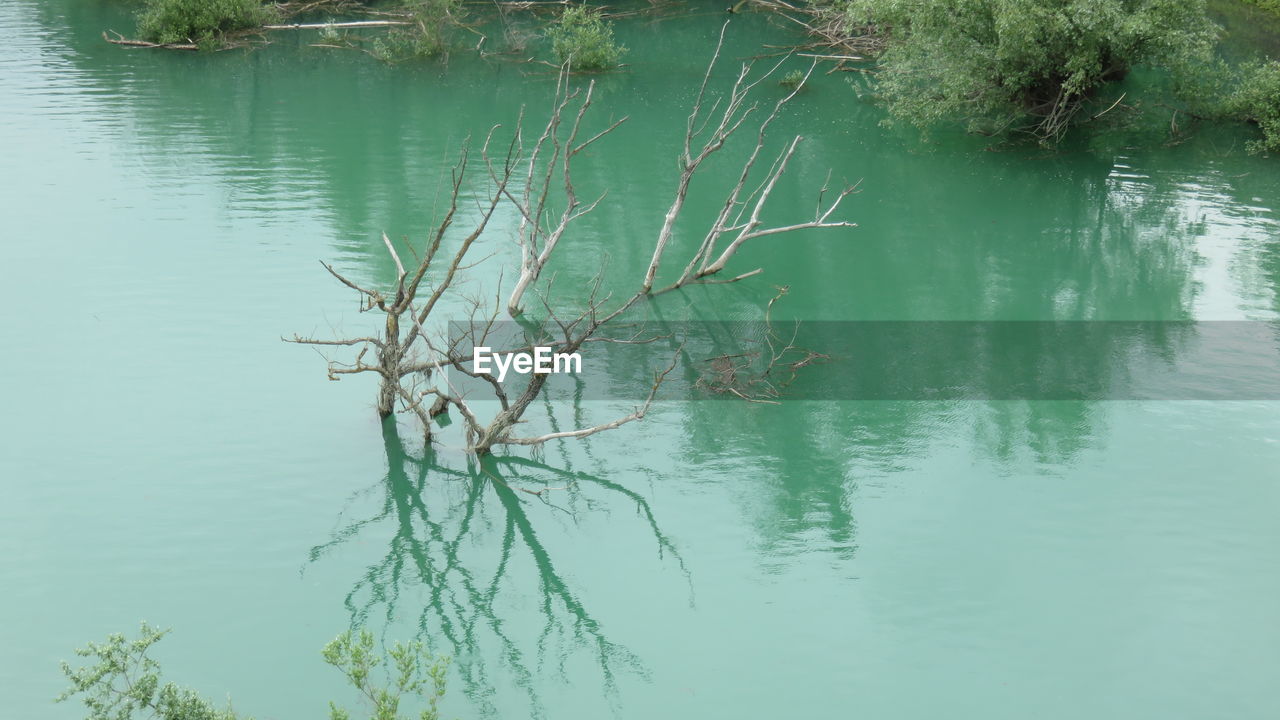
(165, 457)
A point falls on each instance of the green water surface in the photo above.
(164, 456)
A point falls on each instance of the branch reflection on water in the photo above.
(470, 606)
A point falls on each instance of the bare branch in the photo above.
(345, 341)
(536, 237)
(734, 114)
(413, 365)
(375, 297)
(637, 414)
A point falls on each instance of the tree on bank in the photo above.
(1247, 93)
(1030, 67)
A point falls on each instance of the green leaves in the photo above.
(427, 35)
(412, 671)
(585, 40)
(1028, 66)
(203, 22)
(1254, 96)
(122, 683)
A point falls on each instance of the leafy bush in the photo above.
(122, 683)
(585, 40)
(413, 672)
(200, 21)
(427, 36)
(1255, 97)
(1022, 65)
(330, 34)
(1271, 5)
(792, 80)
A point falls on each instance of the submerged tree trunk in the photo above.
(390, 358)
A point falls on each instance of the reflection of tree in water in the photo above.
(432, 549)
(804, 469)
(808, 462)
(1247, 202)
(1075, 240)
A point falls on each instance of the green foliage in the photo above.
(585, 40)
(1269, 5)
(1254, 96)
(330, 34)
(792, 80)
(204, 22)
(1022, 65)
(427, 36)
(122, 683)
(412, 671)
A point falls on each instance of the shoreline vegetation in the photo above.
(1006, 69)
(432, 27)
(1272, 6)
(121, 681)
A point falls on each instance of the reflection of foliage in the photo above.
(429, 551)
(761, 373)
(123, 683)
(1050, 433)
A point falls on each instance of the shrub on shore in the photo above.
(204, 22)
(1254, 97)
(1021, 66)
(1268, 5)
(427, 35)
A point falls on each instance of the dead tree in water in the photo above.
(395, 347)
(411, 361)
